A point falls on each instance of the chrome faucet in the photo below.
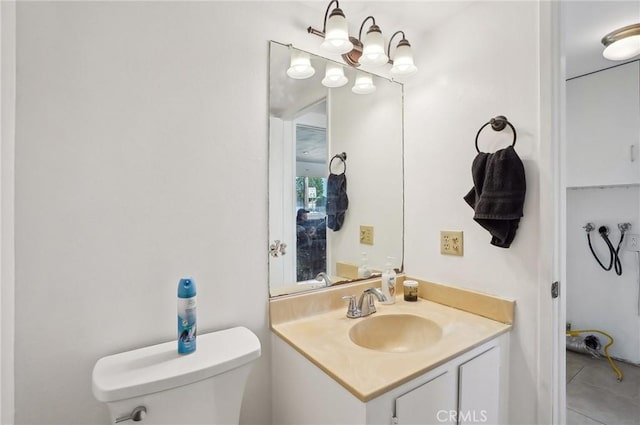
(352, 310)
(322, 276)
(366, 303)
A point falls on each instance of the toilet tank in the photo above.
(202, 387)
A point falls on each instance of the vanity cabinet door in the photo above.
(603, 127)
(479, 389)
(431, 403)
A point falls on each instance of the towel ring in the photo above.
(343, 158)
(498, 123)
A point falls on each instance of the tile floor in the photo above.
(595, 397)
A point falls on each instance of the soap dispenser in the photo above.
(389, 282)
(364, 271)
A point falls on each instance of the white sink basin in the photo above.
(395, 333)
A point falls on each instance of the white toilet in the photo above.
(159, 386)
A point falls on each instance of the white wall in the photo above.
(141, 157)
(374, 171)
(597, 299)
(485, 61)
(7, 287)
(135, 149)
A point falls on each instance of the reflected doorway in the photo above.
(311, 191)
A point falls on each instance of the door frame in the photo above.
(559, 388)
(552, 369)
(7, 207)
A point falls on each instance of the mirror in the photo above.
(310, 126)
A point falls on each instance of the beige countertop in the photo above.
(323, 338)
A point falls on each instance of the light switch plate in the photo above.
(451, 242)
(366, 235)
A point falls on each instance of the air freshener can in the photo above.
(186, 316)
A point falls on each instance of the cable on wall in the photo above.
(614, 253)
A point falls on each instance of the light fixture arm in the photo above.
(314, 31)
(362, 26)
(391, 39)
(326, 14)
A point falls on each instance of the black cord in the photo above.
(614, 257)
(612, 251)
(617, 262)
(596, 256)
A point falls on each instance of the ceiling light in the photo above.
(334, 76)
(623, 43)
(363, 84)
(300, 67)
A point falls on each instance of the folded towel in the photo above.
(337, 200)
(498, 194)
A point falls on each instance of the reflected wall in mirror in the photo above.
(309, 124)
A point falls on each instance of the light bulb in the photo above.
(300, 67)
(336, 37)
(373, 48)
(334, 76)
(403, 61)
(363, 84)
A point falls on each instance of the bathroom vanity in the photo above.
(443, 365)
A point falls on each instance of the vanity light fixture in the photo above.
(334, 76)
(623, 43)
(358, 51)
(300, 65)
(363, 84)
(403, 62)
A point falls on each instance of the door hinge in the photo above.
(554, 289)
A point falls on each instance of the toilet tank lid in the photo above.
(159, 367)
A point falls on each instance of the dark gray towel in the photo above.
(497, 196)
(337, 201)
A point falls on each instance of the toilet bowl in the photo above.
(156, 385)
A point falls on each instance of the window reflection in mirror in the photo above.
(308, 125)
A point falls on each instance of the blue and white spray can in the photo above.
(186, 316)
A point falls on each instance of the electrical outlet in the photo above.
(633, 242)
(366, 235)
(451, 242)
